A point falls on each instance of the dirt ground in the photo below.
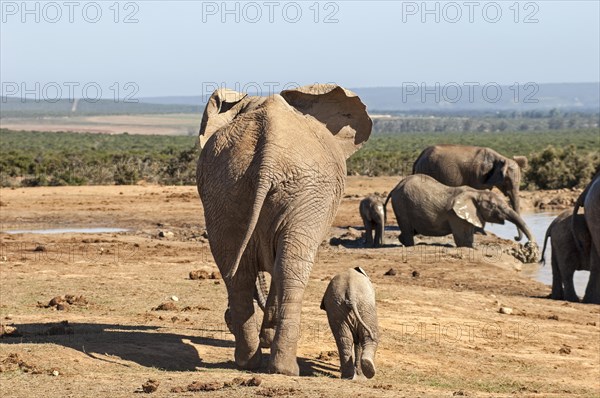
(443, 333)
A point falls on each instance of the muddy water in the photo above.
(538, 223)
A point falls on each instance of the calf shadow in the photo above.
(349, 241)
(145, 345)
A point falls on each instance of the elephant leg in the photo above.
(367, 358)
(345, 343)
(569, 287)
(462, 232)
(592, 291)
(378, 234)
(293, 263)
(267, 330)
(557, 288)
(357, 357)
(242, 318)
(407, 236)
(368, 232)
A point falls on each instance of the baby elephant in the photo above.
(566, 257)
(350, 305)
(427, 207)
(373, 216)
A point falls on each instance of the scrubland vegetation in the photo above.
(557, 158)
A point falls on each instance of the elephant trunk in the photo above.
(516, 219)
(513, 196)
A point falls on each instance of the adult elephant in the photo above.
(270, 176)
(477, 167)
(590, 199)
(422, 205)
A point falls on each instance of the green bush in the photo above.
(555, 168)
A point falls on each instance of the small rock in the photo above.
(199, 274)
(211, 386)
(565, 350)
(390, 272)
(174, 298)
(355, 233)
(505, 310)
(150, 386)
(416, 274)
(55, 373)
(166, 307)
(518, 267)
(165, 234)
(252, 382)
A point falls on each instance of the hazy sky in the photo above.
(186, 47)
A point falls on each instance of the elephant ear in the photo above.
(496, 172)
(219, 112)
(465, 207)
(521, 161)
(340, 110)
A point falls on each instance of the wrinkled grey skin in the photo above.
(352, 314)
(372, 213)
(425, 206)
(477, 167)
(590, 198)
(270, 176)
(566, 258)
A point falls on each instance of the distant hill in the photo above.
(584, 97)
(14, 108)
(451, 99)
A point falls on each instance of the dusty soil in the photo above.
(443, 333)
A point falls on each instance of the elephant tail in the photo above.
(543, 260)
(360, 320)
(259, 199)
(261, 292)
(386, 201)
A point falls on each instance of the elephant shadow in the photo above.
(351, 241)
(144, 345)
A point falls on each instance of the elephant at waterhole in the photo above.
(423, 205)
(477, 167)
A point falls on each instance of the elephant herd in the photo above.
(424, 205)
(449, 193)
(271, 175)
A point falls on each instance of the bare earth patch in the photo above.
(443, 330)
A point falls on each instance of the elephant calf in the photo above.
(425, 206)
(566, 258)
(372, 213)
(352, 314)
